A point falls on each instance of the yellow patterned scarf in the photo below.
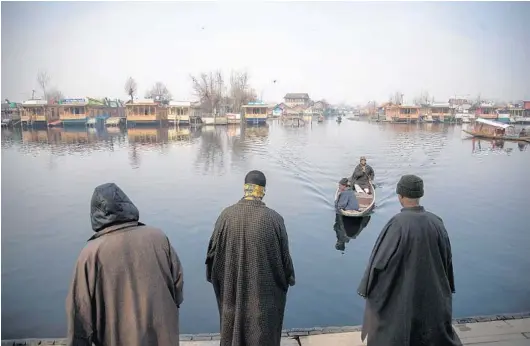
(253, 191)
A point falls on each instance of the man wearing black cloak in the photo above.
(250, 268)
(408, 283)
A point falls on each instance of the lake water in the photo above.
(181, 180)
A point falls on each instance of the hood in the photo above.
(111, 206)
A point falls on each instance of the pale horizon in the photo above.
(351, 52)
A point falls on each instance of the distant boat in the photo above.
(490, 129)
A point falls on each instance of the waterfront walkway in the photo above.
(498, 330)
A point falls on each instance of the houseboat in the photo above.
(442, 113)
(486, 111)
(402, 113)
(255, 113)
(38, 113)
(178, 112)
(145, 112)
(73, 112)
(517, 115)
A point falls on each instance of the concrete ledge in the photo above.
(472, 330)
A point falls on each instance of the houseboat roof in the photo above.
(77, 101)
(35, 103)
(296, 96)
(255, 105)
(493, 123)
(441, 105)
(141, 102)
(180, 103)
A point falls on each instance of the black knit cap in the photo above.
(344, 181)
(410, 186)
(256, 178)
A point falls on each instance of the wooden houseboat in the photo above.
(73, 112)
(145, 112)
(402, 113)
(490, 129)
(441, 113)
(255, 113)
(486, 111)
(178, 112)
(39, 113)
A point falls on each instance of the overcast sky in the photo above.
(343, 52)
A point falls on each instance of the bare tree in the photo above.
(43, 79)
(398, 98)
(54, 95)
(422, 99)
(209, 88)
(240, 91)
(160, 92)
(131, 88)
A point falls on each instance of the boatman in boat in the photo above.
(362, 176)
(250, 268)
(346, 199)
(522, 133)
(408, 283)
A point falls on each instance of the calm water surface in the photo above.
(181, 180)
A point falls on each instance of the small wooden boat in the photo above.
(366, 203)
(490, 129)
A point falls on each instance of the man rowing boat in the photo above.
(362, 176)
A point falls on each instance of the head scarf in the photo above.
(254, 187)
(253, 191)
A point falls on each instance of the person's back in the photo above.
(127, 285)
(250, 268)
(409, 282)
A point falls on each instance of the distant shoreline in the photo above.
(292, 333)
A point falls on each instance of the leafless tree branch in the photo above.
(131, 88)
(43, 79)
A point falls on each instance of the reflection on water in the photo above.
(181, 179)
(347, 228)
(487, 146)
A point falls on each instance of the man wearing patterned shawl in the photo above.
(250, 267)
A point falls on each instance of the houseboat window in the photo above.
(407, 111)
